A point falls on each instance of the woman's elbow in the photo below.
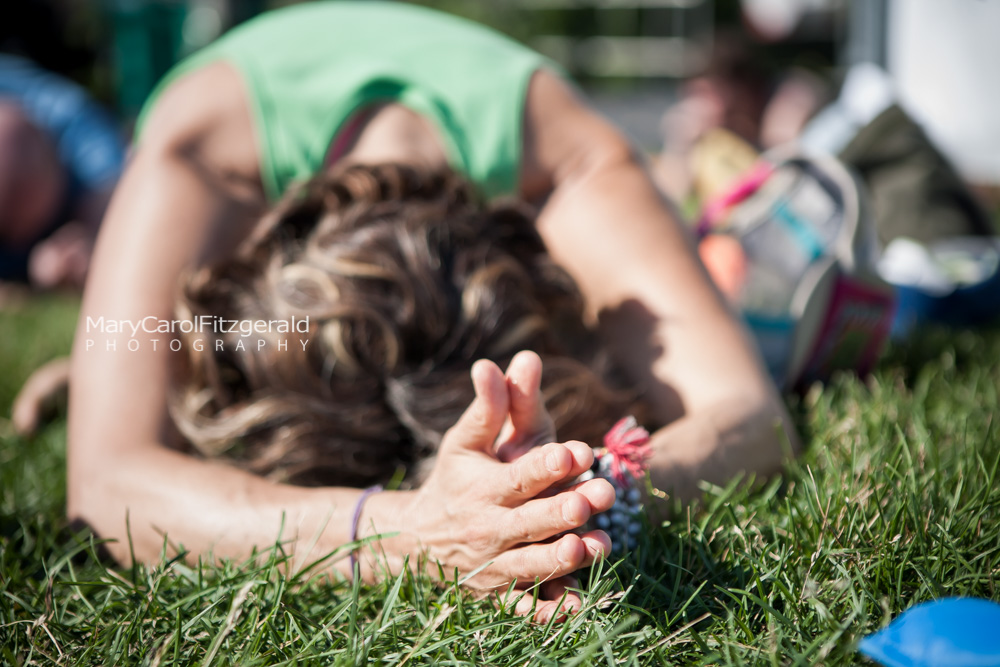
(756, 431)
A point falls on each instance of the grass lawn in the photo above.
(895, 502)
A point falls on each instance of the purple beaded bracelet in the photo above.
(357, 518)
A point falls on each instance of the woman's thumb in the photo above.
(530, 423)
(480, 424)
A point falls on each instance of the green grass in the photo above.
(895, 502)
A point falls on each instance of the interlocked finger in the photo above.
(533, 473)
(553, 597)
(540, 519)
(541, 469)
(544, 560)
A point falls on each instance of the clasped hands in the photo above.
(502, 495)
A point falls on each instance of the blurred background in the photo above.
(905, 92)
(629, 54)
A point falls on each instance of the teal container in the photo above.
(148, 38)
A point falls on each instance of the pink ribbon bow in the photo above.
(628, 444)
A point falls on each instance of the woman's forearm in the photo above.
(152, 493)
(737, 435)
(167, 217)
(638, 270)
(608, 225)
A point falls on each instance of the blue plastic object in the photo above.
(953, 281)
(953, 632)
(971, 305)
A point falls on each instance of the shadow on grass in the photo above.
(961, 349)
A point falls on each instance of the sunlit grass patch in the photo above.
(895, 501)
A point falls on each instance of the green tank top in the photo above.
(310, 67)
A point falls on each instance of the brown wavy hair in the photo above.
(407, 279)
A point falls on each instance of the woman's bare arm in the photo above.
(178, 204)
(189, 196)
(609, 226)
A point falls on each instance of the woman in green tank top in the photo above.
(333, 88)
(471, 86)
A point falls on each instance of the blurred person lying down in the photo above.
(411, 288)
(60, 157)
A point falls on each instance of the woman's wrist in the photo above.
(329, 518)
(385, 513)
